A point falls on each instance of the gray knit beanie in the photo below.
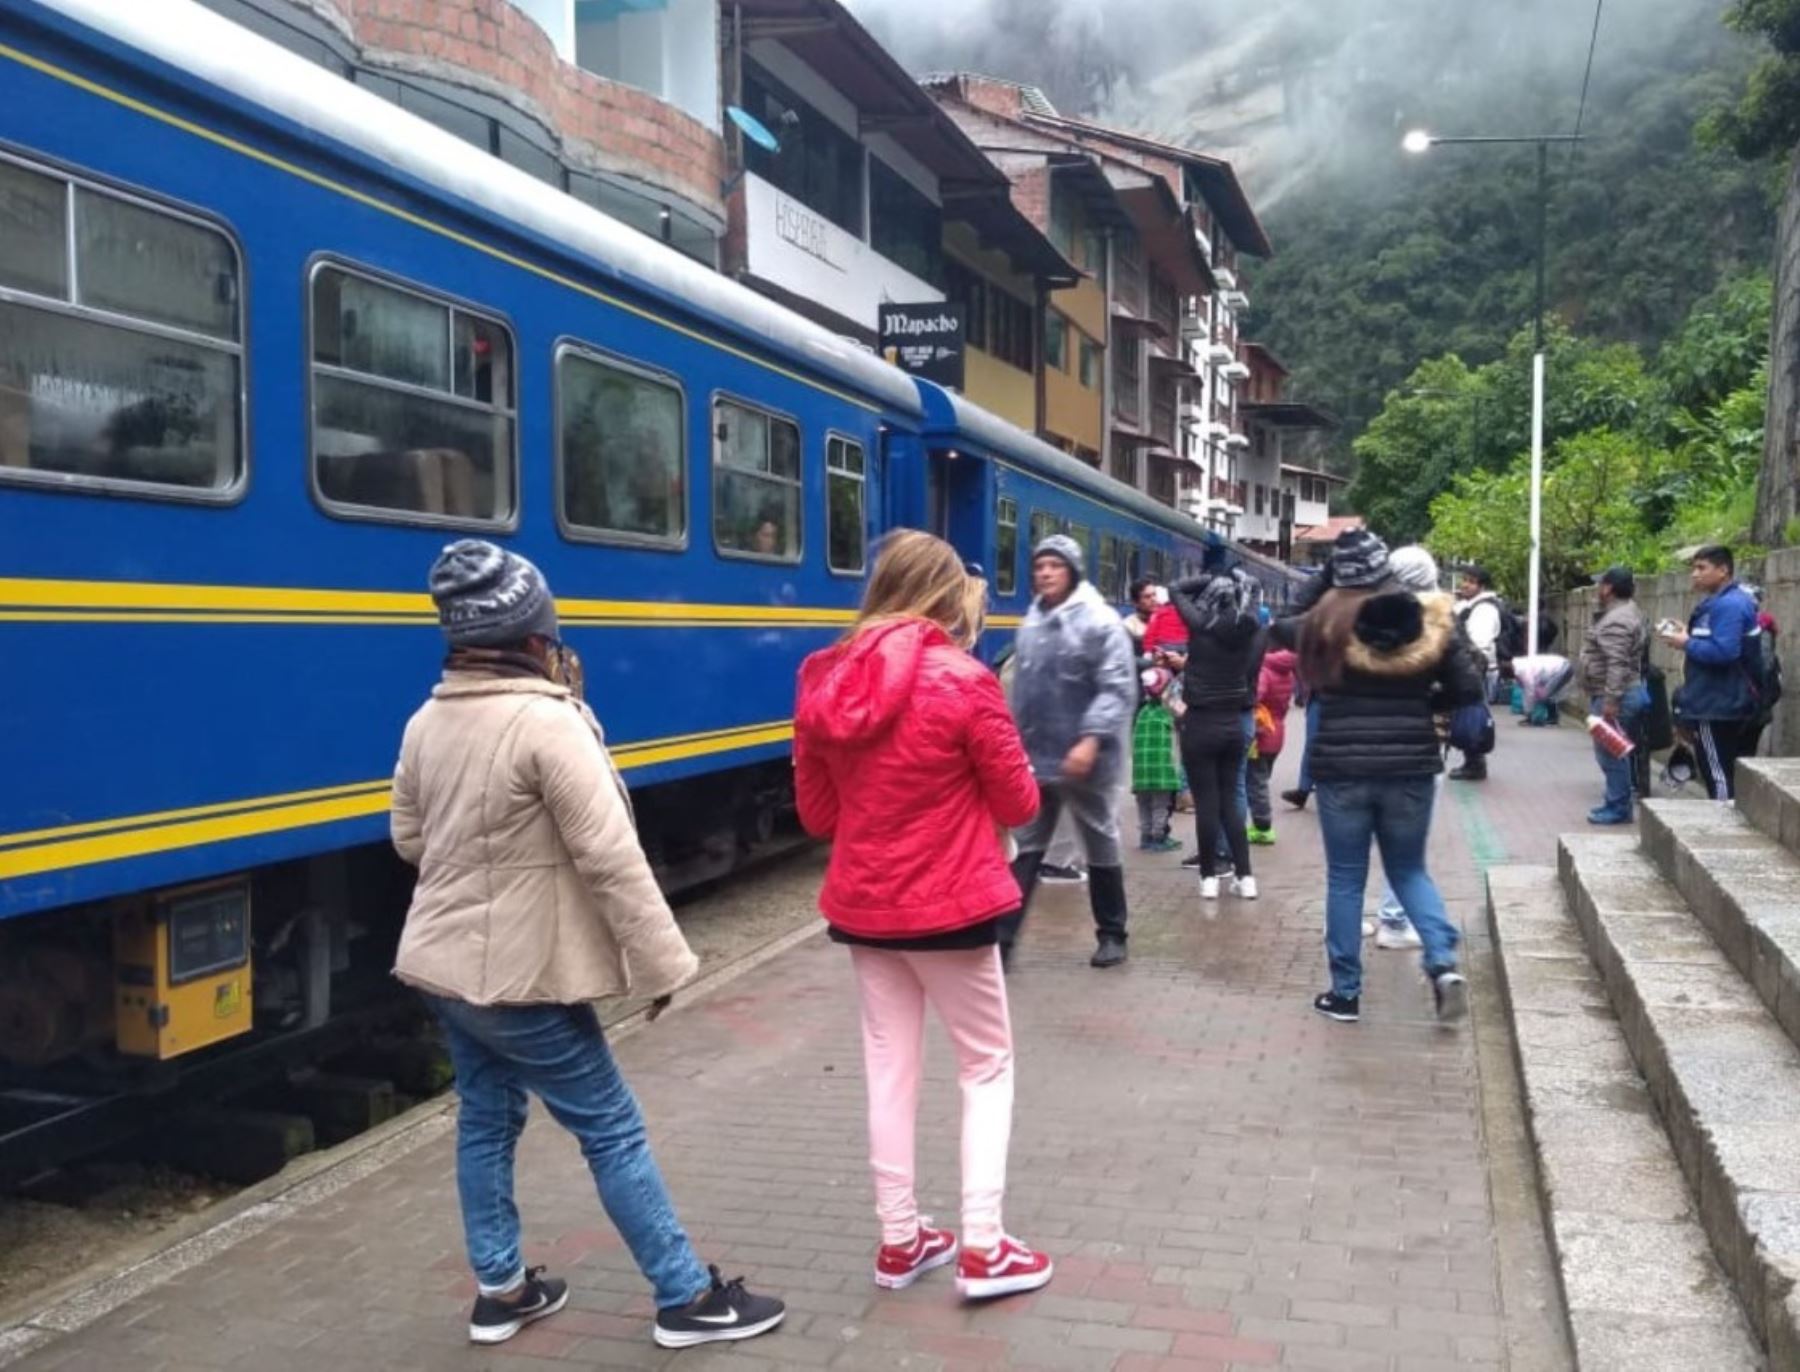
(1414, 568)
(1358, 558)
(1063, 547)
(488, 597)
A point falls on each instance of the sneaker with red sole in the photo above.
(1006, 1269)
(899, 1265)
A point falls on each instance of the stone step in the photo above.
(1641, 1287)
(1768, 792)
(1744, 887)
(1724, 1077)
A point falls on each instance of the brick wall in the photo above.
(490, 46)
(1671, 597)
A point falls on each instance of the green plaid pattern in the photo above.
(1153, 749)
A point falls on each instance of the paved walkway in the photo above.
(1226, 1180)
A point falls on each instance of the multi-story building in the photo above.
(1276, 427)
(872, 194)
(1165, 267)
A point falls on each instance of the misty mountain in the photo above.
(1384, 259)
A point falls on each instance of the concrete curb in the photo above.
(1724, 1077)
(27, 1326)
(1642, 1291)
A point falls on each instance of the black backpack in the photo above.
(1514, 640)
(1764, 670)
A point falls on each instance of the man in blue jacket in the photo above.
(1718, 699)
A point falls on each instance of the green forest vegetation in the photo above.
(1402, 298)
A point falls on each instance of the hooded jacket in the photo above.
(1275, 687)
(1074, 679)
(532, 887)
(1404, 662)
(1225, 642)
(905, 756)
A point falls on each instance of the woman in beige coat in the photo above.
(533, 900)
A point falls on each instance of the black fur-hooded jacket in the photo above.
(1405, 660)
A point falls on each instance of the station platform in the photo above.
(1225, 1179)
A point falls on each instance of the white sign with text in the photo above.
(798, 249)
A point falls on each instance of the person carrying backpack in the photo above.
(1721, 696)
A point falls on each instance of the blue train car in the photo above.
(266, 344)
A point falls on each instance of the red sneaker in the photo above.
(1004, 1270)
(899, 1265)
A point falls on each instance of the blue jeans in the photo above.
(1396, 813)
(559, 1054)
(1305, 783)
(1243, 782)
(1617, 770)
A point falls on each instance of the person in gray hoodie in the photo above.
(1074, 690)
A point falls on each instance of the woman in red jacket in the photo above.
(905, 755)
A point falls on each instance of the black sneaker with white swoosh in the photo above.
(496, 1320)
(722, 1312)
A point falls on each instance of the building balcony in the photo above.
(1219, 354)
(1234, 300)
(1226, 278)
(1237, 440)
(1235, 371)
(1193, 416)
(1195, 327)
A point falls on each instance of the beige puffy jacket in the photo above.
(532, 887)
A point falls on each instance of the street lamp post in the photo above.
(1419, 141)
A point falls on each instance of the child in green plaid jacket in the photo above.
(1154, 777)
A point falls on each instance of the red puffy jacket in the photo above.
(1165, 630)
(1275, 688)
(906, 756)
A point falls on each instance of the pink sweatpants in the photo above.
(969, 994)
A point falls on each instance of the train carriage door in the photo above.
(958, 499)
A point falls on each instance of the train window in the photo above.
(622, 453)
(756, 483)
(132, 260)
(1042, 526)
(107, 383)
(1006, 546)
(1110, 568)
(1084, 537)
(846, 532)
(34, 233)
(412, 403)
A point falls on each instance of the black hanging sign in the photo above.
(925, 340)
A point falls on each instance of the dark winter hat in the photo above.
(488, 597)
(1358, 558)
(1063, 547)
(1622, 583)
